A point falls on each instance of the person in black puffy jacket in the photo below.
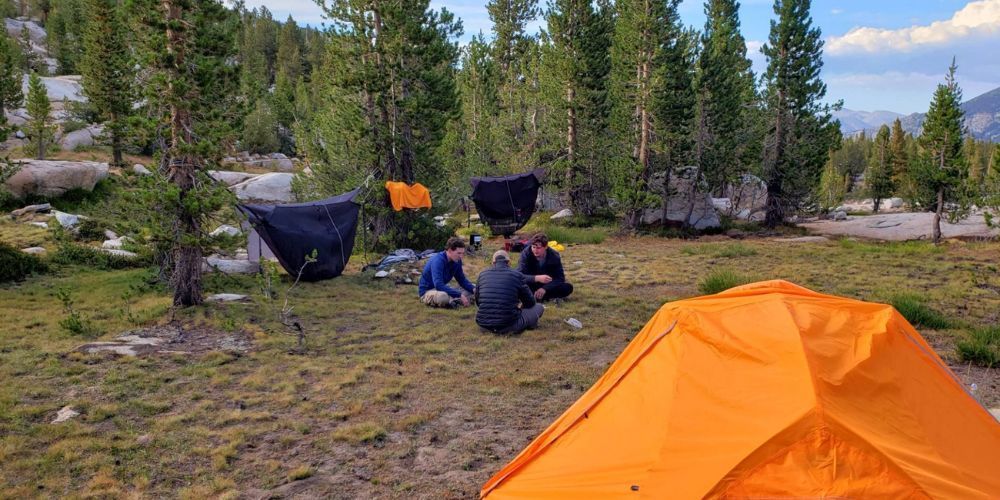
(499, 290)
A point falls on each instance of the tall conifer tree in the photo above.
(800, 133)
(107, 72)
(942, 169)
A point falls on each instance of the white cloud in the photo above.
(980, 18)
(836, 12)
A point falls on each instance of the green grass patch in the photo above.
(981, 346)
(719, 280)
(300, 473)
(720, 251)
(914, 308)
(365, 432)
(72, 253)
(901, 248)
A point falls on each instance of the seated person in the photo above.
(543, 271)
(499, 289)
(439, 271)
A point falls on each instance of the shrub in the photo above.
(981, 346)
(16, 265)
(917, 312)
(719, 280)
(72, 253)
(365, 432)
(90, 230)
(75, 323)
(582, 235)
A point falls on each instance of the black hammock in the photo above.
(506, 203)
(293, 231)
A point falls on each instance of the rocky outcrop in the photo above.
(277, 162)
(703, 214)
(84, 137)
(230, 178)
(53, 178)
(269, 188)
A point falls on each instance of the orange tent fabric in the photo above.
(403, 195)
(767, 390)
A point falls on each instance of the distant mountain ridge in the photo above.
(982, 118)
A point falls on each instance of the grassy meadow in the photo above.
(390, 399)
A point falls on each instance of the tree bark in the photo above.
(937, 216)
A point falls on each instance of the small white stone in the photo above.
(43, 225)
(66, 413)
(382, 274)
(34, 250)
(226, 297)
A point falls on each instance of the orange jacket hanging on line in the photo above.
(404, 196)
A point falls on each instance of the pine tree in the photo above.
(942, 169)
(11, 95)
(674, 106)
(388, 93)
(580, 43)
(725, 84)
(879, 175)
(30, 62)
(832, 186)
(800, 133)
(190, 93)
(260, 130)
(107, 70)
(65, 34)
(39, 126)
(635, 54)
(511, 47)
(991, 189)
(898, 153)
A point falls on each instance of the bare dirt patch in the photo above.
(172, 338)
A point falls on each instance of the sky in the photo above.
(878, 55)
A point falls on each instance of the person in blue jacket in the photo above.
(440, 269)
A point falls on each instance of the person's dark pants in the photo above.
(527, 320)
(553, 290)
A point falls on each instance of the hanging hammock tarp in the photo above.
(506, 203)
(293, 231)
(403, 195)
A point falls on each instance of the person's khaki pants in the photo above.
(435, 298)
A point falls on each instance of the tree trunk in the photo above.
(571, 146)
(40, 154)
(181, 170)
(116, 142)
(937, 216)
(775, 179)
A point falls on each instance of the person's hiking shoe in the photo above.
(455, 304)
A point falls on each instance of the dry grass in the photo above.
(392, 399)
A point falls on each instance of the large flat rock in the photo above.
(53, 178)
(901, 227)
(268, 188)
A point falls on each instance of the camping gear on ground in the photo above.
(555, 245)
(403, 195)
(768, 390)
(506, 203)
(475, 241)
(400, 256)
(293, 231)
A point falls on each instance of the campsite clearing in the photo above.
(391, 399)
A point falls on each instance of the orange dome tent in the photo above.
(767, 390)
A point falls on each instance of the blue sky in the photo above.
(879, 55)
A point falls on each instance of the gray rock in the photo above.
(20, 134)
(144, 439)
(115, 244)
(230, 266)
(66, 413)
(562, 214)
(31, 209)
(839, 215)
(66, 220)
(139, 169)
(703, 216)
(43, 225)
(226, 297)
(119, 252)
(382, 274)
(81, 138)
(226, 230)
(111, 235)
(272, 187)
(995, 412)
(53, 178)
(804, 239)
(277, 156)
(230, 178)
(892, 203)
(750, 194)
(34, 250)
